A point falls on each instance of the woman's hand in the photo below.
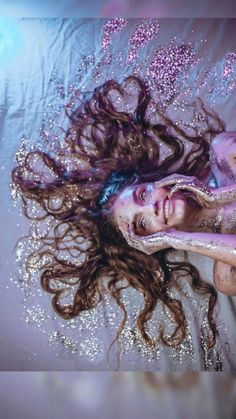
(149, 244)
(202, 193)
(226, 194)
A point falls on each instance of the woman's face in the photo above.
(147, 209)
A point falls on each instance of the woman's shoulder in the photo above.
(223, 140)
(223, 158)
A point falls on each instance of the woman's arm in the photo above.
(221, 247)
(224, 276)
(209, 197)
(225, 194)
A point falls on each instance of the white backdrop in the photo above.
(41, 61)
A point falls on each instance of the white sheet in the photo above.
(34, 53)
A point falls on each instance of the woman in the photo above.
(209, 230)
(107, 154)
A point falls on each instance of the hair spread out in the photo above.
(104, 150)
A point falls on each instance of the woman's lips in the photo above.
(167, 209)
(163, 211)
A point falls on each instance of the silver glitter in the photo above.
(35, 315)
(60, 340)
(212, 357)
(132, 341)
(91, 349)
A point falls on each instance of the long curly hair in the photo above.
(108, 148)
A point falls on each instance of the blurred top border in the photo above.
(118, 8)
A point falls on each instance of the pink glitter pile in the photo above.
(230, 60)
(143, 33)
(166, 66)
(112, 27)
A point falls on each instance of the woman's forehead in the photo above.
(121, 205)
(126, 192)
(123, 199)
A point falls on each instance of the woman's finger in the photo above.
(190, 186)
(201, 196)
(178, 187)
(131, 238)
(173, 179)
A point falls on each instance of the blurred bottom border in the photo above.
(104, 395)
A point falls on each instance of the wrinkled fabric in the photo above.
(40, 61)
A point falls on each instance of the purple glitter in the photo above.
(112, 27)
(167, 64)
(143, 33)
(83, 67)
(221, 82)
(230, 60)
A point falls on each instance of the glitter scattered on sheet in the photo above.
(91, 349)
(168, 70)
(143, 33)
(168, 64)
(35, 315)
(62, 341)
(111, 28)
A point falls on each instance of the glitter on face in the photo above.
(144, 33)
(111, 28)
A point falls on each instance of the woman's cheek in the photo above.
(156, 227)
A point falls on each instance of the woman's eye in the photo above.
(143, 195)
(142, 223)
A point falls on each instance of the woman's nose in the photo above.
(156, 208)
(153, 208)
